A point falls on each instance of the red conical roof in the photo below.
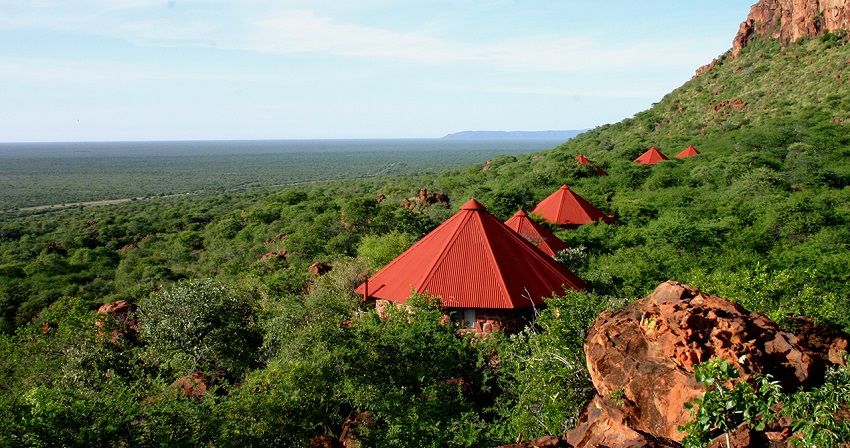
(651, 157)
(582, 160)
(473, 261)
(535, 233)
(690, 151)
(565, 208)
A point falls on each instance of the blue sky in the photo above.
(162, 70)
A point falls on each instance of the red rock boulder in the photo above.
(319, 269)
(645, 354)
(193, 385)
(116, 319)
(603, 423)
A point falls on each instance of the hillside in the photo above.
(773, 129)
(227, 339)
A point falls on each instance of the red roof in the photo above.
(535, 233)
(473, 261)
(565, 208)
(651, 157)
(582, 160)
(690, 151)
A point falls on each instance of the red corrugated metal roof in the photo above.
(473, 261)
(690, 151)
(565, 208)
(535, 233)
(582, 160)
(651, 157)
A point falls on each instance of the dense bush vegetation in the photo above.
(762, 217)
(42, 174)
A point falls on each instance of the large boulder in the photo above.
(644, 356)
(603, 424)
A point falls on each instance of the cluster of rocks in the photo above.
(117, 319)
(425, 199)
(274, 255)
(641, 360)
(736, 104)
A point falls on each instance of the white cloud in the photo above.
(305, 32)
(250, 28)
(67, 71)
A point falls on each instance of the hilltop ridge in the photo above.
(791, 20)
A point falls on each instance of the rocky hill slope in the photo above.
(791, 20)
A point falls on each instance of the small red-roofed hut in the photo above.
(582, 160)
(565, 208)
(535, 233)
(651, 157)
(484, 273)
(690, 151)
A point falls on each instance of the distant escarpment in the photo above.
(790, 20)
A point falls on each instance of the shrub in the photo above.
(201, 325)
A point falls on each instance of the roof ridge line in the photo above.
(492, 256)
(545, 259)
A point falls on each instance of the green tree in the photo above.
(202, 325)
(379, 250)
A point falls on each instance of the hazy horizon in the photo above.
(153, 70)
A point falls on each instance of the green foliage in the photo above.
(409, 370)
(55, 175)
(813, 413)
(761, 217)
(201, 325)
(729, 402)
(381, 249)
(543, 373)
(574, 258)
(723, 408)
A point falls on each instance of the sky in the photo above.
(114, 70)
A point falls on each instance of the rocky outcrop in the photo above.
(707, 67)
(274, 255)
(604, 424)
(116, 319)
(194, 384)
(320, 268)
(426, 199)
(790, 20)
(641, 361)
